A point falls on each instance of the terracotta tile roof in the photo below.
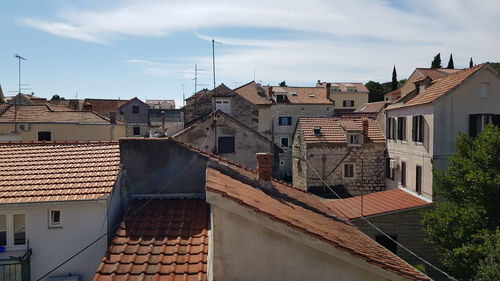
(253, 93)
(332, 129)
(164, 240)
(436, 73)
(376, 203)
(442, 86)
(394, 93)
(302, 95)
(40, 172)
(342, 87)
(131, 100)
(46, 113)
(104, 106)
(161, 104)
(372, 107)
(342, 236)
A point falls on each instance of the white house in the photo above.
(55, 199)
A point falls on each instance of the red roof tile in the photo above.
(250, 92)
(344, 237)
(332, 129)
(372, 107)
(163, 240)
(442, 86)
(376, 203)
(342, 87)
(303, 95)
(57, 172)
(104, 106)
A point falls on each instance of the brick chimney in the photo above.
(112, 117)
(365, 128)
(271, 93)
(265, 166)
(328, 88)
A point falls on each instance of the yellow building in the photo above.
(52, 123)
(347, 96)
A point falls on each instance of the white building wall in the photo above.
(82, 222)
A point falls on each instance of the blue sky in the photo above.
(148, 48)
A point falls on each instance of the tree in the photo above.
(450, 63)
(436, 62)
(283, 84)
(56, 97)
(394, 83)
(471, 64)
(464, 223)
(377, 90)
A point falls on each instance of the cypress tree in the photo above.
(450, 63)
(436, 62)
(471, 64)
(394, 83)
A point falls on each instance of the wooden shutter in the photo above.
(418, 183)
(403, 173)
(421, 124)
(414, 128)
(472, 125)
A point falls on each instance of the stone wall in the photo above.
(143, 127)
(328, 160)
(198, 106)
(299, 165)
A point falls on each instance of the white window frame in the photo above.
(353, 171)
(223, 104)
(9, 220)
(49, 219)
(349, 140)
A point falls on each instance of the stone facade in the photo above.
(135, 114)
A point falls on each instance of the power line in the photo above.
(132, 213)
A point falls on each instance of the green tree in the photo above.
(471, 64)
(451, 65)
(282, 84)
(467, 214)
(436, 62)
(377, 90)
(56, 97)
(394, 83)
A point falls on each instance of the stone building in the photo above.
(221, 98)
(221, 134)
(347, 152)
(135, 114)
(347, 96)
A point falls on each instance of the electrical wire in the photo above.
(131, 214)
(372, 225)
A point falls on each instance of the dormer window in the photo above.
(351, 89)
(311, 95)
(317, 131)
(354, 139)
(335, 89)
(280, 98)
(294, 94)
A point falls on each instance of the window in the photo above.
(389, 244)
(351, 89)
(348, 170)
(12, 229)
(285, 121)
(389, 168)
(348, 103)
(317, 131)
(354, 139)
(285, 142)
(401, 128)
(136, 131)
(293, 94)
(391, 128)
(44, 136)
(418, 128)
(403, 174)
(55, 218)
(223, 105)
(225, 144)
(135, 109)
(418, 179)
(280, 98)
(485, 90)
(477, 122)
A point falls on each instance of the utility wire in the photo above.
(132, 213)
(371, 224)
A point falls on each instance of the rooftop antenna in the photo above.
(19, 58)
(213, 57)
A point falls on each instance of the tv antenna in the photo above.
(213, 57)
(19, 58)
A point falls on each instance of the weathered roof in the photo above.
(302, 95)
(372, 107)
(104, 106)
(376, 203)
(342, 236)
(332, 129)
(253, 93)
(159, 240)
(442, 86)
(53, 114)
(161, 104)
(343, 86)
(41, 172)
(435, 73)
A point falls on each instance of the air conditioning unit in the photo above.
(23, 126)
(393, 164)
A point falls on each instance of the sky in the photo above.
(148, 48)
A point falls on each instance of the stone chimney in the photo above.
(271, 93)
(112, 117)
(265, 166)
(365, 128)
(328, 88)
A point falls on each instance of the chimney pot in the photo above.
(265, 166)
(271, 91)
(328, 88)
